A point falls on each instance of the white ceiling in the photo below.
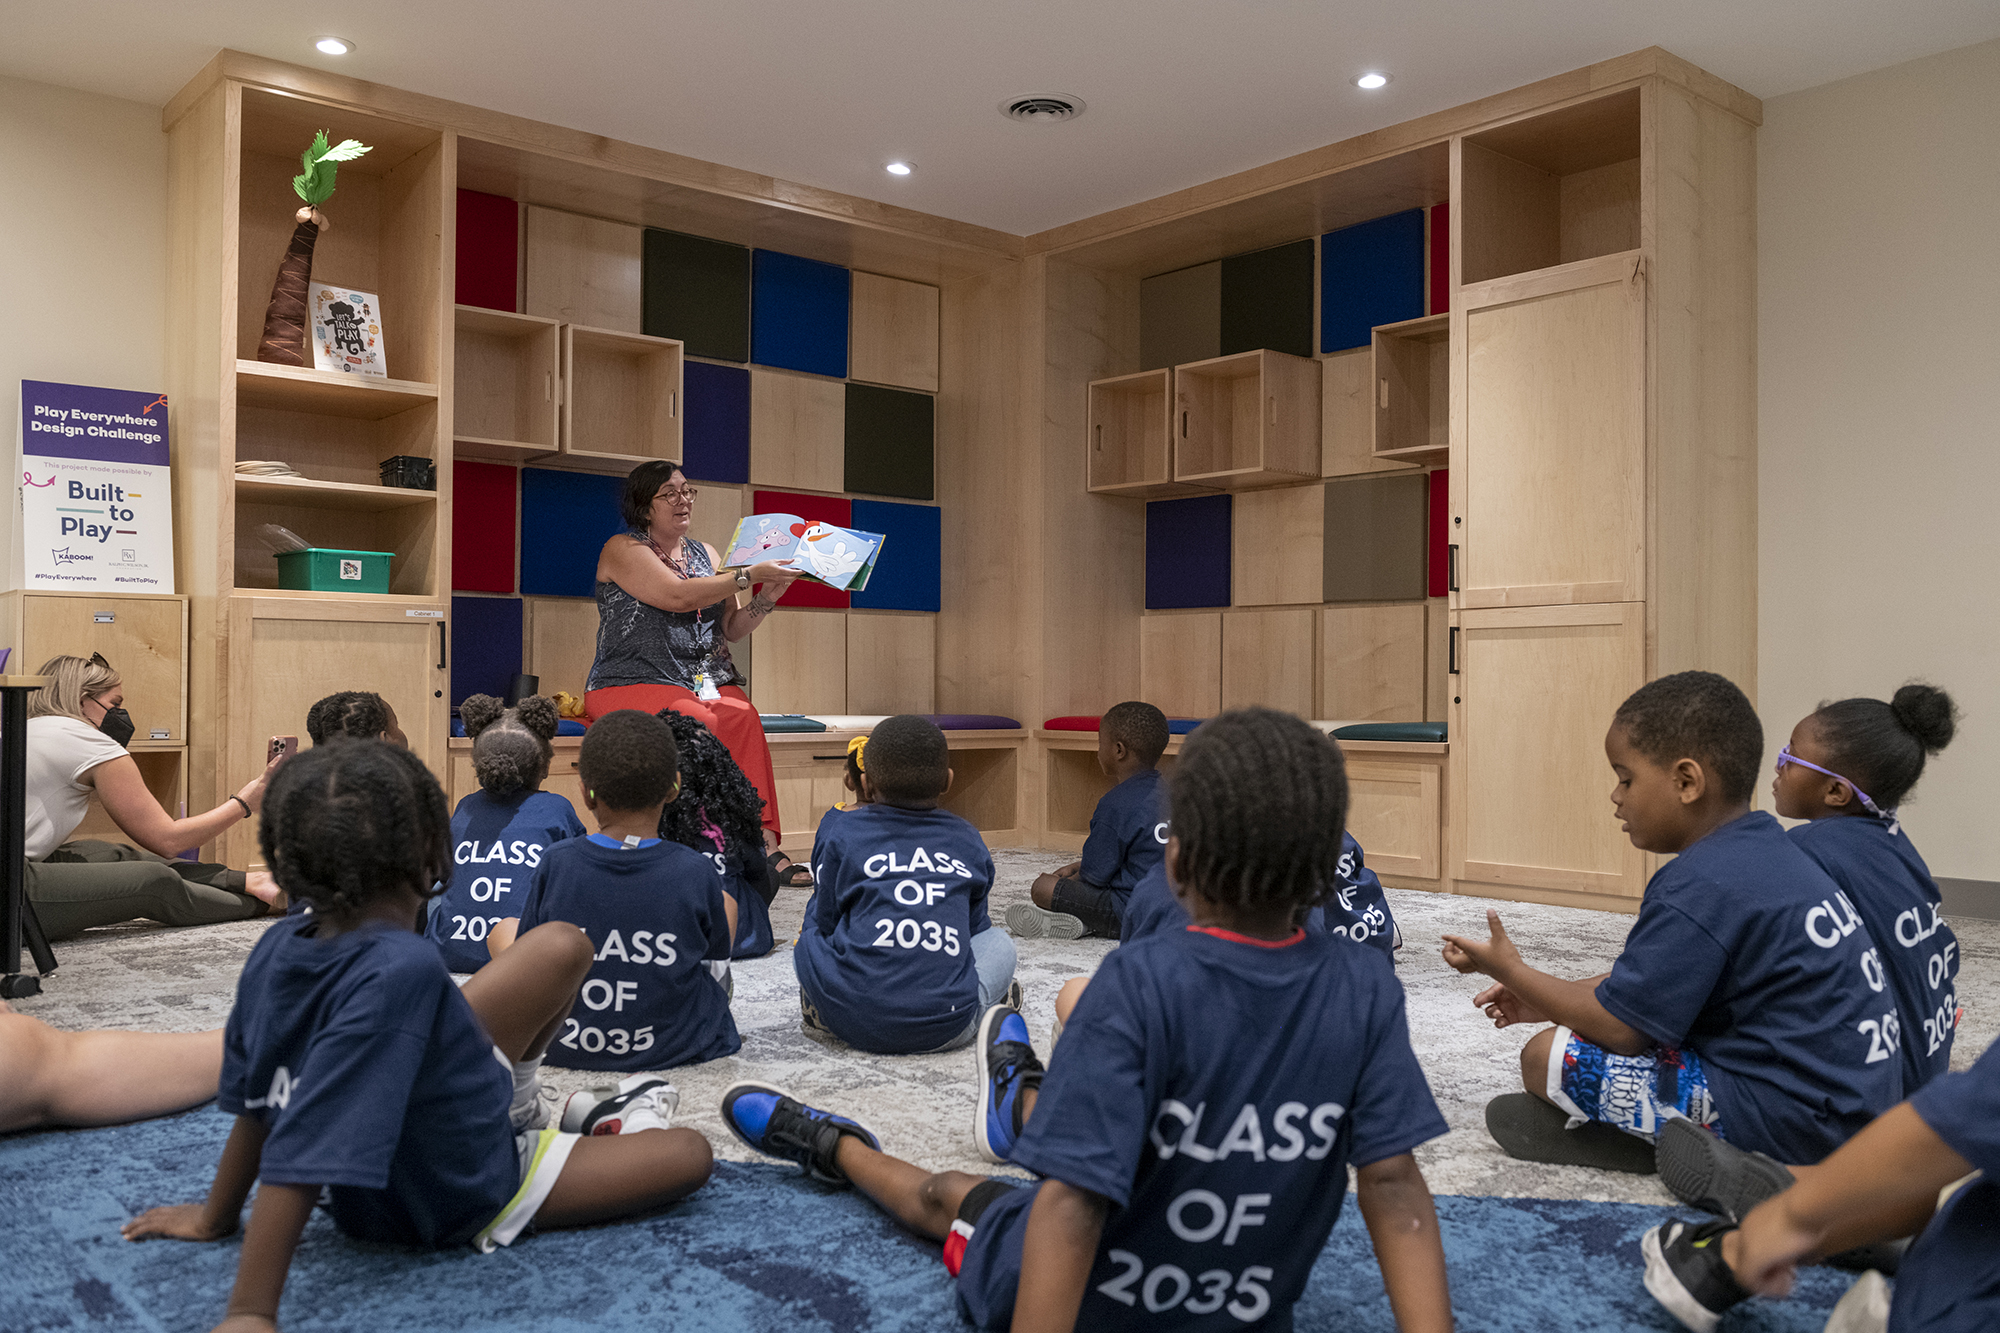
(825, 92)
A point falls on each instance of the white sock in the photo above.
(526, 1111)
(1055, 1038)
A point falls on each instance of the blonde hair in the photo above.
(72, 680)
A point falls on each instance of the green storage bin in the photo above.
(321, 569)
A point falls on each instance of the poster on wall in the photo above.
(96, 493)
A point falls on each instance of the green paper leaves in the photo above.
(315, 186)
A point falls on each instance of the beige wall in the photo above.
(83, 256)
(1879, 407)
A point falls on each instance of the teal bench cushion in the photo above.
(790, 722)
(1433, 732)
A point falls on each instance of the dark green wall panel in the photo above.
(698, 291)
(1267, 300)
(1375, 538)
(891, 437)
(1180, 316)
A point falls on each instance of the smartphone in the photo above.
(285, 746)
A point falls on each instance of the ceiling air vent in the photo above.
(1042, 108)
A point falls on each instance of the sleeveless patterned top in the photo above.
(639, 644)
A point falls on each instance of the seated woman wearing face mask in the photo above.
(77, 731)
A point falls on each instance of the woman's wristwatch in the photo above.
(742, 580)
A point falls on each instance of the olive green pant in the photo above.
(89, 883)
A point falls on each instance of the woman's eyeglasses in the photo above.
(676, 493)
(1787, 758)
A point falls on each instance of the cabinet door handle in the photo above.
(548, 386)
(1451, 667)
(673, 405)
(1271, 410)
(1384, 393)
(1100, 437)
(444, 637)
(1184, 423)
(1451, 565)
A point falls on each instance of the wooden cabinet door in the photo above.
(144, 638)
(286, 653)
(1529, 792)
(1553, 495)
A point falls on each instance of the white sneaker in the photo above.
(643, 1101)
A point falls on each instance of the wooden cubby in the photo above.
(143, 635)
(506, 385)
(621, 396)
(1131, 444)
(1551, 189)
(1247, 420)
(1412, 410)
(164, 771)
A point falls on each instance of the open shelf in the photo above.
(327, 392)
(985, 785)
(384, 223)
(506, 379)
(621, 395)
(1247, 420)
(1551, 189)
(333, 448)
(343, 495)
(1131, 444)
(1412, 388)
(408, 532)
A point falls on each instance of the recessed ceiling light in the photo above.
(1372, 80)
(333, 46)
(898, 168)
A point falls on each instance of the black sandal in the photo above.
(787, 875)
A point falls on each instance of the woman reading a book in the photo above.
(665, 621)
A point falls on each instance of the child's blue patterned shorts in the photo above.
(1637, 1093)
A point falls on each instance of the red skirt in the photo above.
(733, 719)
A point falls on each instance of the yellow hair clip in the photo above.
(854, 749)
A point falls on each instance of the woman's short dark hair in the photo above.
(1258, 801)
(628, 760)
(642, 483)
(1880, 747)
(348, 821)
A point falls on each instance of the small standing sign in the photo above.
(96, 490)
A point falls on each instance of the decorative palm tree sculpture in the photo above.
(286, 318)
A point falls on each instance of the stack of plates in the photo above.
(267, 467)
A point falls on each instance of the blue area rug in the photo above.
(758, 1249)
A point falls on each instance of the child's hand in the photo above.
(1465, 955)
(1506, 1008)
(177, 1221)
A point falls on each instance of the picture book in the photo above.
(347, 331)
(838, 557)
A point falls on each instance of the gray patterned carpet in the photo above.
(150, 977)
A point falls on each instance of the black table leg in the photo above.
(15, 914)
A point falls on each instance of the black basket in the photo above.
(410, 472)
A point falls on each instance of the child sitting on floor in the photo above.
(500, 832)
(1746, 998)
(355, 714)
(897, 954)
(1834, 754)
(351, 1062)
(659, 914)
(1893, 1179)
(1127, 832)
(1195, 1150)
(719, 814)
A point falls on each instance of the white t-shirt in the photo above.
(60, 751)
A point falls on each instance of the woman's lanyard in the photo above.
(678, 566)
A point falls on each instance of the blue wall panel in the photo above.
(715, 436)
(1371, 273)
(485, 645)
(1187, 552)
(798, 313)
(906, 576)
(565, 518)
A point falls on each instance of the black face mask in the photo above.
(117, 724)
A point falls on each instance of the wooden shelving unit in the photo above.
(621, 396)
(1247, 420)
(1551, 189)
(327, 393)
(1131, 445)
(506, 392)
(1412, 410)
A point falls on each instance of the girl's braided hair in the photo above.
(510, 746)
(710, 782)
(347, 822)
(1259, 803)
(360, 714)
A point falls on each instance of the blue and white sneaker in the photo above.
(780, 1125)
(1007, 1068)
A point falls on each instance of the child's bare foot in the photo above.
(260, 885)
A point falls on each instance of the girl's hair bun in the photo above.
(538, 714)
(480, 711)
(1927, 713)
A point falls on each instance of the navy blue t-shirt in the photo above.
(1217, 1090)
(886, 952)
(1885, 879)
(655, 915)
(753, 914)
(1359, 909)
(370, 1074)
(1747, 954)
(496, 844)
(1128, 833)
(1949, 1282)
